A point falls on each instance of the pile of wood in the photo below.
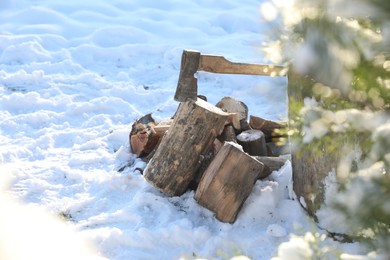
(214, 149)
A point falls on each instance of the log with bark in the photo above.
(253, 142)
(191, 135)
(161, 129)
(271, 129)
(228, 135)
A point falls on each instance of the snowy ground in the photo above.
(74, 75)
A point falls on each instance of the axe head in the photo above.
(187, 86)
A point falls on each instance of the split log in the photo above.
(227, 182)
(204, 160)
(192, 133)
(268, 127)
(143, 138)
(160, 130)
(234, 120)
(270, 164)
(232, 105)
(253, 142)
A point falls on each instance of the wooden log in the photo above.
(253, 142)
(234, 120)
(143, 138)
(228, 135)
(205, 160)
(268, 127)
(227, 182)
(191, 135)
(163, 126)
(270, 164)
(277, 149)
(232, 105)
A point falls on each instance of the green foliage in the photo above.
(339, 103)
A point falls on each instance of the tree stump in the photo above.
(191, 135)
(227, 182)
(253, 142)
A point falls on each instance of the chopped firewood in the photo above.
(227, 182)
(232, 105)
(192, 133)
(160, 129)
(268, 127)
(143, 138)
(227, 135)
(234, 120)
(253, 142)
(163, 126)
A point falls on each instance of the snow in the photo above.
(250, 135)
(73, 78)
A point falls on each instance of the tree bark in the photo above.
(227, 182)
(228, 135)
(190, 136)
(310, 164)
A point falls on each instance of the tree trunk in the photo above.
(253, 142)
(227, 182)
(190, 136)
(310, 164)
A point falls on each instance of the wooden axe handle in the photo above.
(218, 64)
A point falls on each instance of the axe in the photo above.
(193, 61)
